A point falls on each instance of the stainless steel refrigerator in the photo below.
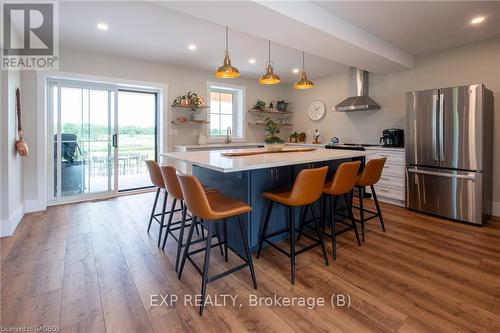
(449, 152)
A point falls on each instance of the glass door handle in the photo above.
(115, 140)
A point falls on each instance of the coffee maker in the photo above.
(393, 137)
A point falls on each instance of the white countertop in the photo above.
(215, 161)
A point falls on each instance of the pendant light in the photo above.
(227, 71)
(269, 77)
(304, 82)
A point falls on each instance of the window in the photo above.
(226, 111)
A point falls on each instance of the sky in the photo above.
(80, 105)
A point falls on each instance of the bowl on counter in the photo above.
(274, 146)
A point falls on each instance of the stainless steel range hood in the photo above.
(360, 101)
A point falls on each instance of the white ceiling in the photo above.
(147, 31)
(421, 26)
(378, 36)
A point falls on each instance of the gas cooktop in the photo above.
(351, 146)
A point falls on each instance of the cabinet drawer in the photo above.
(395, 181)
(397, 157)
(394, 172)
(394, 169)
(390, 192)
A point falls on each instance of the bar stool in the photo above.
(369, 177)
(157, 180)
(341, 184)
(212, 207)
(174, 190)
(305, 191)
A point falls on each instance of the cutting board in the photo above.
(264, 151)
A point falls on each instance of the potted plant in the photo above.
(190, 99)
(272, 141)
(259, 105)
(294, 137)
(282, 105)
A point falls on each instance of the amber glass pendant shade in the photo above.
(269, 76)
(304, 82)
(227, 71)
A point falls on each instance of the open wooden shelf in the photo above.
(190, 106)
(273, 111)
(190, 122)
(261, 124)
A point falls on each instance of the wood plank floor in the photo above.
(92, 267)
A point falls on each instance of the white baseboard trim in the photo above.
(7, 227)
(31, 206)
(495, 208)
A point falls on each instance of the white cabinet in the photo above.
(391, 187)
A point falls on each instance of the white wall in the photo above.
(11, 204)
(473, 63)
(179, 80)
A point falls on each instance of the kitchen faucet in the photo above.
(228, 134)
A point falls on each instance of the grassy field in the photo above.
(133, 144)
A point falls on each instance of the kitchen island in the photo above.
(246, 177)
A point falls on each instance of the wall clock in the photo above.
(316, 110)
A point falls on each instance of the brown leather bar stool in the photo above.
(157, 180)
(341, 184)
(174, 190)
(369, 177)
(212, 207)
(305, 192)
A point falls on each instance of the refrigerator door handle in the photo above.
(469, 176)
(441, 127)
(435, 156)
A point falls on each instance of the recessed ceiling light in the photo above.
(102, 26)
(477, 20)
(251, 60)
(192, 47)
(296, 70)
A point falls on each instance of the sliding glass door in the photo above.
(136, 137)
(100, 137)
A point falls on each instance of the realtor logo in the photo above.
(29, 35)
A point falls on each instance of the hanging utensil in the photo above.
(21, 145)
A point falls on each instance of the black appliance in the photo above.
(350, 146)
(393, 137)
(72, 165)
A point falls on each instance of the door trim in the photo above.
(41, 201)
